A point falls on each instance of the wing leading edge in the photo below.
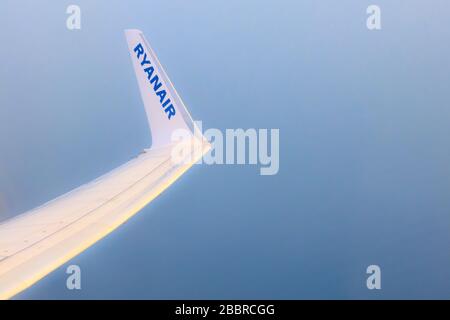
(35, 243)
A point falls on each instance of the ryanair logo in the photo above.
(154, 81)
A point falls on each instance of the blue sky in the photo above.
(364, 144)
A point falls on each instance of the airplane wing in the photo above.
(38, 241)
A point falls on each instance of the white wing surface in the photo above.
(38, 241)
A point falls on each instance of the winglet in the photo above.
(165, 110)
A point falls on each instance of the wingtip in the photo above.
(132, 31)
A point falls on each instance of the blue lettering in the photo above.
(156, 84)
(149, 71)
(139, 50)
(166, 102)
(169, 109)
(145, 61)
(162, 95)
